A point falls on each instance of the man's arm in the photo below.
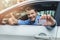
(12, 20)
(19, 6)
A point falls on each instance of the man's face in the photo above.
(31, 14)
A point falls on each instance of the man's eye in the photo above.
(32, 13)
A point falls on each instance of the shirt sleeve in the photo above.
(23, 22)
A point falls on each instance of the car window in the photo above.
(21, 14)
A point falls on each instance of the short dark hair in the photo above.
(30, 8)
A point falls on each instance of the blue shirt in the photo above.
(28, 22)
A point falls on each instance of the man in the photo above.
(33, 19)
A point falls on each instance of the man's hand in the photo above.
(12, 20)
(49, 20)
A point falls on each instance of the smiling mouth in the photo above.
(32, 19)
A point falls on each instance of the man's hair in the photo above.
(30, 8)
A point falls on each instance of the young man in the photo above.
(33, 19)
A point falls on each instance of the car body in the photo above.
(32, 32)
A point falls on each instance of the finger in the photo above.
(49, 17)
(43, 16)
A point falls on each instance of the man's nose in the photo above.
(30, 15)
